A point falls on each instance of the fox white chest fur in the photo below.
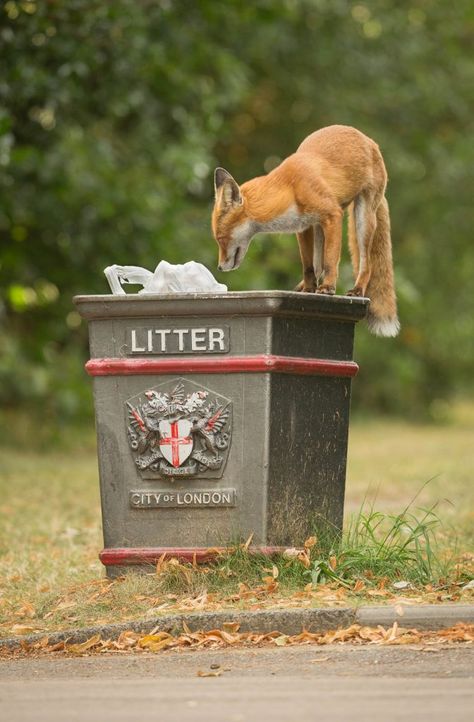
(291, 221)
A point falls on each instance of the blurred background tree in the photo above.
(113, 116)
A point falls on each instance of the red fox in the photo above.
(333, 169)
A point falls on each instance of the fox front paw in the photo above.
(305, 287)
(326, 290)
(356, 291)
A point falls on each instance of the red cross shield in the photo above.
(176, 443)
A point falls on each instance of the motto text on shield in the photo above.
(179, 429)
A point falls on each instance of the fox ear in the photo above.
(231, 195)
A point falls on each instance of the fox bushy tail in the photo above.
(382, 318)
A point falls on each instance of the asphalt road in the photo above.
(295, 684)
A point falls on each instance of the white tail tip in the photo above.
(387, 327)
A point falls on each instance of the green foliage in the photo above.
(112, 116)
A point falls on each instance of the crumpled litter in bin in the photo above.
(188, 277)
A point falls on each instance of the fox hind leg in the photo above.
(352, 237)
(306, 245)
(318, 254)
(362, 227)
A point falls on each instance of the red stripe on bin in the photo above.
(150, 555)
(230, 364)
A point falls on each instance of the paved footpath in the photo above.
(295, 684)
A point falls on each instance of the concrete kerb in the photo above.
(290, 621)
(286, 621)
(418, 616)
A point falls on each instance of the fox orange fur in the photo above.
(334, 169)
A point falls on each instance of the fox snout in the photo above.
(231, 259)
(233, 246)
(223, 260)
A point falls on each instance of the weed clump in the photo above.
(378, 547)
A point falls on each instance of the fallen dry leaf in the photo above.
(160, 562)
(218, 638)
(459, 633)
(303, 557)
(391, 634)
(248, 542)
(155, 642)
(231, 626)
(401, 585)
(127, 639)
(22, 629)
(378, 593)
(270, 584)
(214, 673)
(291, 553)
(27, 610)
(58, 647)
(65, 604)
(84, 646)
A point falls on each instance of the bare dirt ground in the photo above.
(296, 684)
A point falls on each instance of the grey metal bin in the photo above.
(218, 417)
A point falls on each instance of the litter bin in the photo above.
(219, 416)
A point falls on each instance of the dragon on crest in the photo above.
(178, 434)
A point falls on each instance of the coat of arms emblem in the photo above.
(179, 429)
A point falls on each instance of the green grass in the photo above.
(389, 462)
(398, 528)
(392, 547)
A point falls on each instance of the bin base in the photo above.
(125, 556)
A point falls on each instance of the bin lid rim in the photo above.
(235, 302)
(309, 297)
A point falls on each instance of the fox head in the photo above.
(232, 228)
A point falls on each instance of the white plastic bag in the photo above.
(119, 275)
(188, 277)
